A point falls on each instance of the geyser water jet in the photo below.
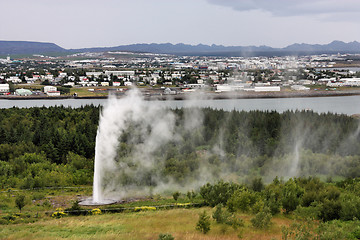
(153, 127)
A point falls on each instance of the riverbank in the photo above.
(201, 95)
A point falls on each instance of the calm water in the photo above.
(345, 105)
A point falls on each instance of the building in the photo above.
(120, 73)
(49, 89)
(299, 88)
(4, 88)
(14, 79)
(53, 93)
(267, 89)
(95, 74)
(23, 92)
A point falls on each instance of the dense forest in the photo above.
(55, 146)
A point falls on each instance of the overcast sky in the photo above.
(98, 23)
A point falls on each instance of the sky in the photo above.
(101, 23)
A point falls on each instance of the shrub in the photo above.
(191, 195)
(220, 215)
(218, 193)
(96, 211)
(176, 195)
(330, 210)
(59, 213)
(225, 217)
(257, 184)
(262, 220)
(203, 225)
(20, 202)
(350, 207)
(38, 196)
(165, 236)
(291, 195)
(144, 208)
(75, 209)
(242, 200)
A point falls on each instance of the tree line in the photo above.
(55, 146)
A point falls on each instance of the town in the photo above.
(100, 73)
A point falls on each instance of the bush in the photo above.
(330, 210)
(257, 184)
(242, 200)
(203, 225)
(291, 195)
(20, 202)
(220, 215)
(218, 193)
(176, 195)
(225, 217)
(75, 209)
(262, 220)
(96, 211)
(191, 195)
(350, 207)
(144, 208)
(38, 196)
(165, 236)
(59, 213)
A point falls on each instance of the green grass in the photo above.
(142, 225)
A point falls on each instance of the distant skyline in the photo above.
(94, 23)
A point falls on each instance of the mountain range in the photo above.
(25, 47)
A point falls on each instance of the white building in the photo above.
(14, 79)
(120, 73)
(4, 88)
(53, 93)
(228, 88)
(299, 88)
(69, 84)
(127, 83)
(95, 74)
(49, 89)
(267, 89)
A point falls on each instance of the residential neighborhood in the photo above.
(98, 74)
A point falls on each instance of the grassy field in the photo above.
(36, 222)
(180, 223)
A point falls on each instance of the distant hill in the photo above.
(219, 50)
(335, 46)
(23, 47)
(180, 49)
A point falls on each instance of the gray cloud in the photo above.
(292, 7)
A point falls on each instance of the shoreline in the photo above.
(204, 95)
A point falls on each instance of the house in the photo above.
(116, 84)
(104, 84)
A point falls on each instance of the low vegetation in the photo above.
(46, 167)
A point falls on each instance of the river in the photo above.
(344, 104)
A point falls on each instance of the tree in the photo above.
(203, 225)
(176, 195)
(20, 202)
(291, 195)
